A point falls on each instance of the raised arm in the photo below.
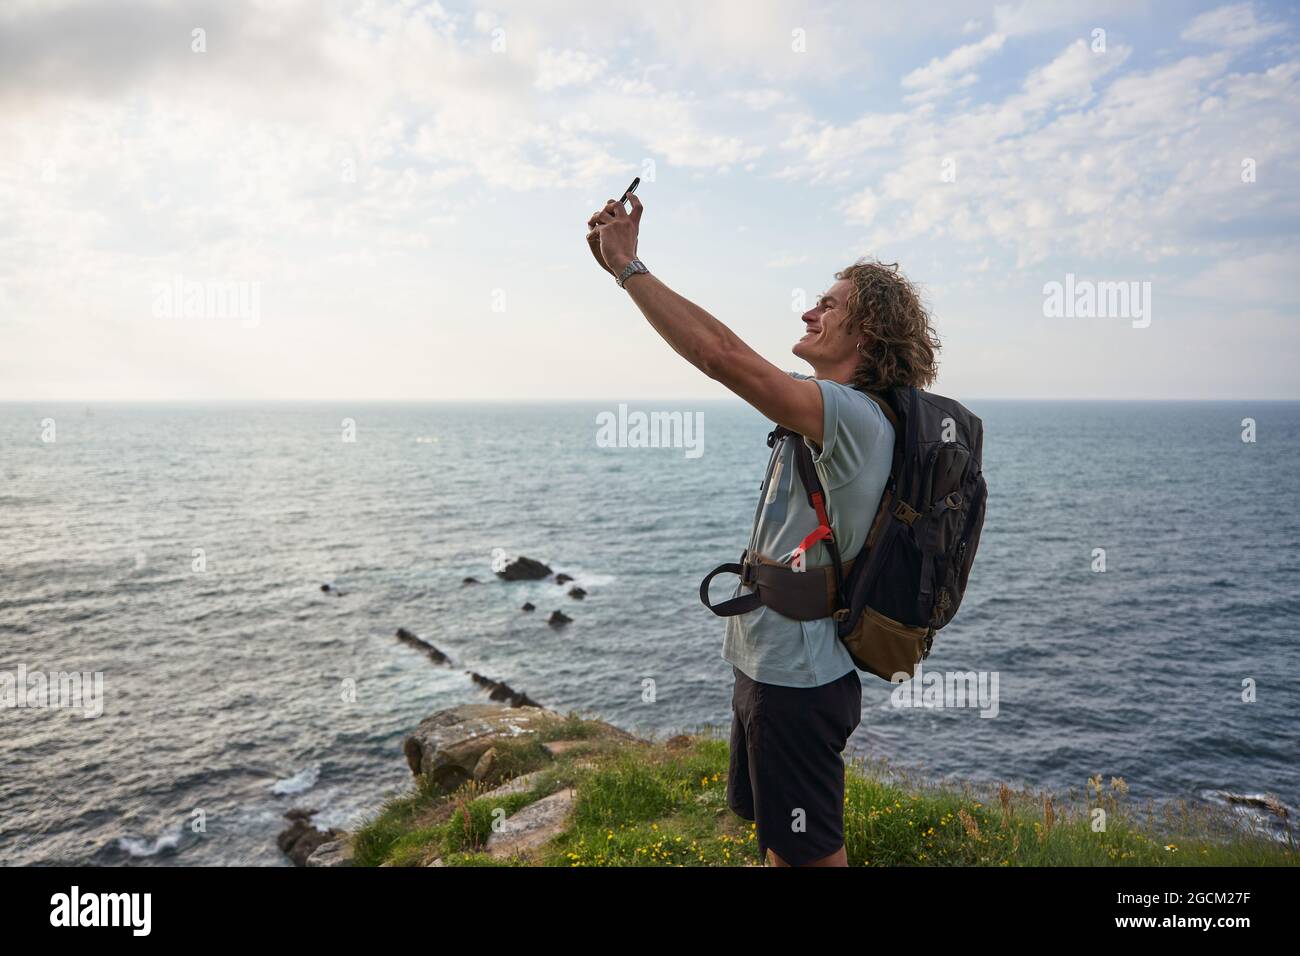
(701, 339)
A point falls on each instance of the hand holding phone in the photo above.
(630, 189)
(593, 239)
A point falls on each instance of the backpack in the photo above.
(908, 580)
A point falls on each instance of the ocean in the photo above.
(179, 551)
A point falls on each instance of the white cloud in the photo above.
(942, 75)
(1233, 25)
(560, 68)
(382, 168)
(761, 99)
(1068, 80)
(1070, 167)
(1041, 16)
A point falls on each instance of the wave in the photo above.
(143, 847)
(300, 782)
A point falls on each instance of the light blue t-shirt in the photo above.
(853, 465)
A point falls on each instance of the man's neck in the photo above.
(841, 372)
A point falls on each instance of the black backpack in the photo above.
(916, 562)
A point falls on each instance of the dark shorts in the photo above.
(787, 768)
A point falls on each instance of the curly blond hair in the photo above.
(898, 342)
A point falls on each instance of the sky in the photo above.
(242, 200)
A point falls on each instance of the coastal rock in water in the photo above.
(577, 593)
(558, 619)
(523, 569)
(447, 745)
(562, 579)
(529, 606)
(437, 656)
(500, 690)
(466, 581)
(324, 587)
(302, 839)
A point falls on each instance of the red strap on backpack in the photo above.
(823, 529)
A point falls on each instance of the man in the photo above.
(797, 697)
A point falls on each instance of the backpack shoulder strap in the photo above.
(901, 436)
(884, 407)
(812, 485)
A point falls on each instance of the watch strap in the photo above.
(634, 267)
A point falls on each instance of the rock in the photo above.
(521, 784)
(533, 826)
(486, 765)
(302, 839)
(563, 579)
(528, 606)
(335, 853)
(447, 745)
(466, 581)
(499, 690)
(523, 569)
(558, 619)
(324, 587)
(438, 862)
(577, 593)
(437, 656)
(678, 742)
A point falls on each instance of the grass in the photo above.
(664, 804)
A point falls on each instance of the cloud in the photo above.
(1041, 16)
(943, 75)
(560, 68)
(1068, 80)
(761, 99)
(1232, 26)
(383, 167)
(1086, 160)
(102, 50)
(1261, 279)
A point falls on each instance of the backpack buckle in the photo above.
(747, 571)
(905, 513)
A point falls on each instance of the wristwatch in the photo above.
(635, 267)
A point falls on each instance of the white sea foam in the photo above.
(143, 846)
(300, 782)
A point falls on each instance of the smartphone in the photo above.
(631, 189)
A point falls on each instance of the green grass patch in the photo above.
(658, 804)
